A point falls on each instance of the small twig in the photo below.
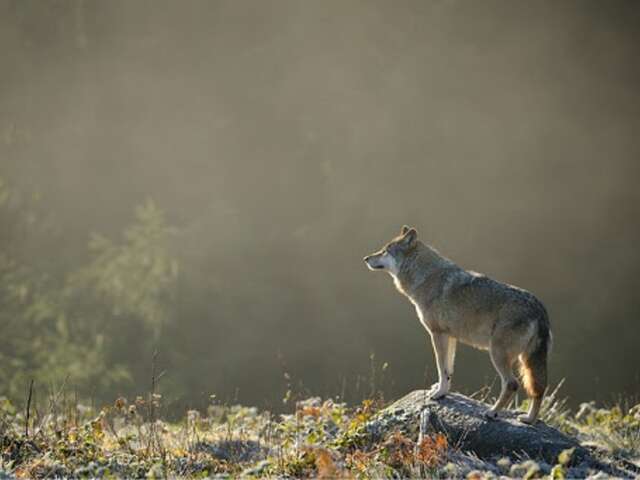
(372, 373)
(28, 413)
(75, 407)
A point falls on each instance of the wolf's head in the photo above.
(391, 256)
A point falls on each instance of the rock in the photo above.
(501, 446)
(466, 463)
(462, 420)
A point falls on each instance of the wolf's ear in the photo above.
(410, 236)
(404, 230)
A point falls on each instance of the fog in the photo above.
(285, 140)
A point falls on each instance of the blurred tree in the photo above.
(72, 327)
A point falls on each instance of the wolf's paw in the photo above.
(491, 414)
(525, 419)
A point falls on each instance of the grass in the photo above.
(318, 439)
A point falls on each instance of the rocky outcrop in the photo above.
(462, 420)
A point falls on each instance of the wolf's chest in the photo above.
(428, 321)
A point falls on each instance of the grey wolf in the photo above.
(454, 304)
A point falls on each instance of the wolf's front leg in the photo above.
(441, 345)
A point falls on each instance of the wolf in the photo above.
(455, 304)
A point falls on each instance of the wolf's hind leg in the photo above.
(441, 345)
(533, 367)
(532, 414)
(509, 385)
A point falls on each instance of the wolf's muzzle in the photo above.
(370, 265)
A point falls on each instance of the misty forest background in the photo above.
(203, 178)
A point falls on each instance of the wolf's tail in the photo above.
(533, 363)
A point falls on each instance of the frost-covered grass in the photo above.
(324, 439)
